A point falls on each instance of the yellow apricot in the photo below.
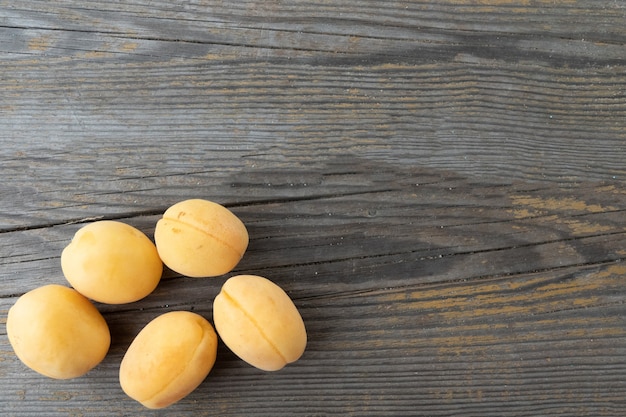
(258, 321)
(168, 359)
(199, 238)
(112, 262)
(57, 332)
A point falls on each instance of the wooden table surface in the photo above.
(440, 186)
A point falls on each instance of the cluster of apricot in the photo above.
(58, 332)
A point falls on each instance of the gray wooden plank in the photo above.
(378, 219)
(549, 342)
(480, 104)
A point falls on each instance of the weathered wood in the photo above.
(215, 86)
(438, 185)
(434, 294)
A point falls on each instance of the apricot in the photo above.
(168, 359)
(257, 320)
(200, 238)
(112, 262)
(57, 332)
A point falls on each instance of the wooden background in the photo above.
(439, 186)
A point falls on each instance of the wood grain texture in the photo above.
(439, 186)
(433, 296)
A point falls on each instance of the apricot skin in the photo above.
(112, 262)
(199, 238)
(168, 359)
(258, 321)
(57, 332)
